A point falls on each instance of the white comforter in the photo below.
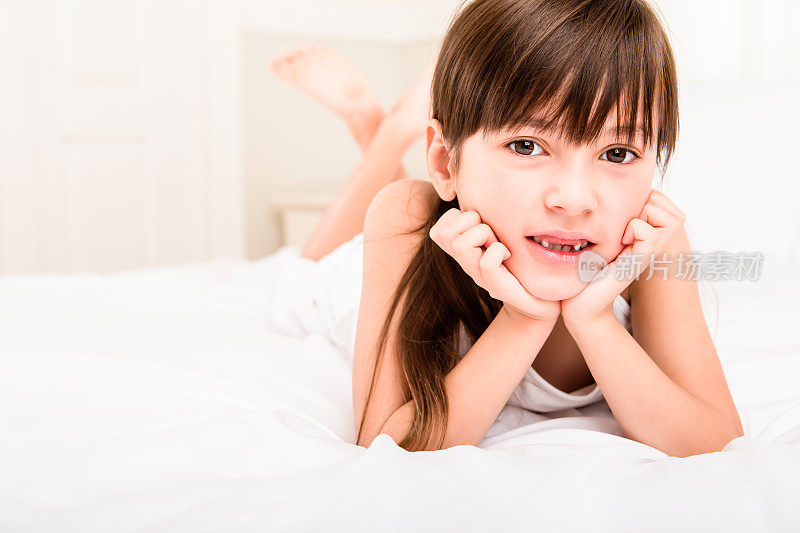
(199, 398)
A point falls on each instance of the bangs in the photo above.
(564, 67)
(577, 112)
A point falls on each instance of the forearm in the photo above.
(481, 383)
(344, 218)
(649, 406)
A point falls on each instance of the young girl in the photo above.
(549, 118)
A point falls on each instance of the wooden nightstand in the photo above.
(299, 213)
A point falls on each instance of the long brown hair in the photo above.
(501, 63)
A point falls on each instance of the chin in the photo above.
(551, 288)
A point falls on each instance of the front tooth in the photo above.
(577, 247)
(545, 243)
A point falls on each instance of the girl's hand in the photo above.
(476, 248)
(648, 234)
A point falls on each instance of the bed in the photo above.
(216, 396)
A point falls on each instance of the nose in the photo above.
(572, 192)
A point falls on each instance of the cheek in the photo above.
(489, 207)
(635, 201)
(496, 208)
(478, 191)
(626, 206)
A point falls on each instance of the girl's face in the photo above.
(525, 183)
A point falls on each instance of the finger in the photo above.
(493, 257)
(658, 217)
(467, 247)
(662, 200)
(502, 284)
(627, 236)
(491, 240)
(456, 223)
(443, 221)
(446, 219)
(473, 237)
(627, 266)
(665, 222)
(616, 276)
(511, 291)
(490, 263)
(643, 236)
(461, 223)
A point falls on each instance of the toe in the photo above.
(300, 52)
(277, 63)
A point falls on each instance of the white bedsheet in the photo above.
(174, 399)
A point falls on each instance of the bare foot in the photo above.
(330, 78)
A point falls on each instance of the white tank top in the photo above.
(534, 393)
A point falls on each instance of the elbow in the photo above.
(727, 437)
(733, 433)
(726, 431)
(733, 430)
(732, 417)
(366, 442)
(395, 425)
(366, 433)
(398, 425)
(368, 437)
(738, 430)
(718, 444)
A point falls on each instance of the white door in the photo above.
(104, 138)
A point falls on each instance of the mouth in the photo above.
(575, 247)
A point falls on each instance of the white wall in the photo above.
(133, 134)
(735, 173)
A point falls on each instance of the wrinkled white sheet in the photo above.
(216, 396)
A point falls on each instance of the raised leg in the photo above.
(331, 79)
(384, 138)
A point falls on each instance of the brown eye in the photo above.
(619, 155)
(523, 147)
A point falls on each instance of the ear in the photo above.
(439, 164)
